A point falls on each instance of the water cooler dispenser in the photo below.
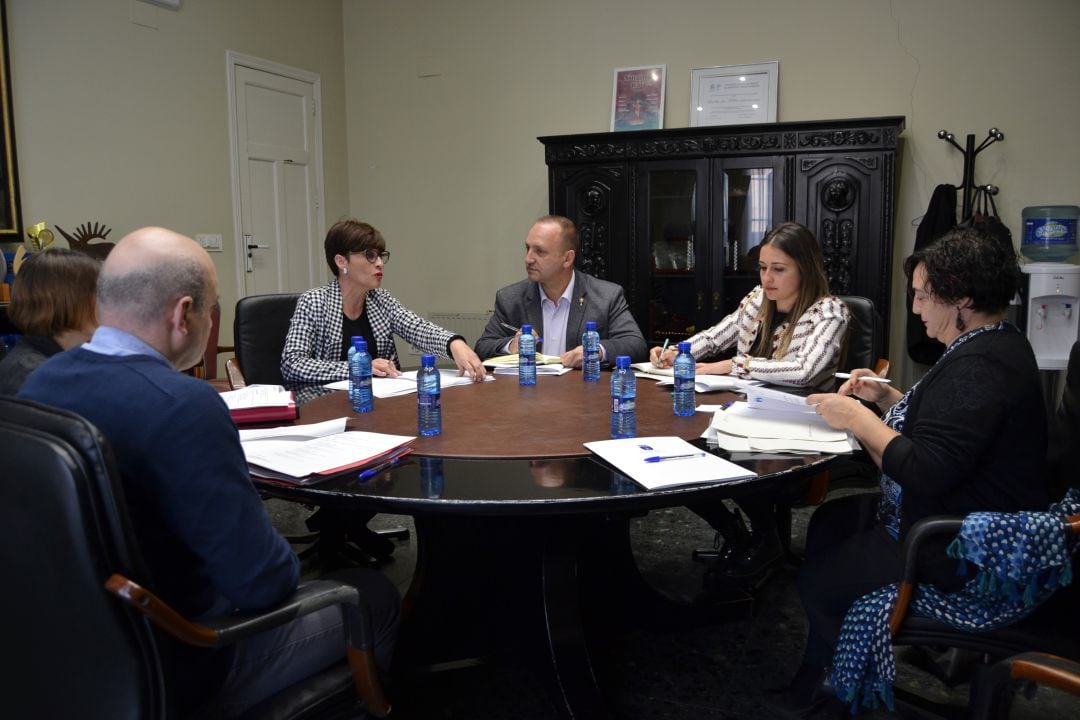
(1052, 311)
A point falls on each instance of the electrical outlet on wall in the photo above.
(211, 243)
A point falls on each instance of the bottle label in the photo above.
(429, 401)
(622, 405)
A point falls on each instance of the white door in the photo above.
(278, 177)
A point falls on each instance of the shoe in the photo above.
(751, 562)
(371, 542)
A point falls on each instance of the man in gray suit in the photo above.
(557, 300)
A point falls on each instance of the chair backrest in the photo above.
(259, 330)
(865, 341)
(79, 652)
(1063, 448)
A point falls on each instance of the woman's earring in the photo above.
(344, 271)
(959, 320)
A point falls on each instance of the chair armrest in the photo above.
(909, 557)
(307, 598)
(1042, 668)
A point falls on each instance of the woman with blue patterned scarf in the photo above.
(969, 436)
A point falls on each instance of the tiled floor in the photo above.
(722, 671)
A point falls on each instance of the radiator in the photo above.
(469, 324)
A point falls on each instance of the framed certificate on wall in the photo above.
(733, 94)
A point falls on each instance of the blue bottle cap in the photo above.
(684, 346)
(622, 362)
(589, 325)
(427, 360)
(526, 329)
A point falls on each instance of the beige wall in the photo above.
(449, 169)
(128, 126)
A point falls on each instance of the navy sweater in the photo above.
(202, 528)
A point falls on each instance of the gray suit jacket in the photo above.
(598, 300)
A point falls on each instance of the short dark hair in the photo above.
(143, 294)
(568, 231)
(968, 263)
(55, 290)
(350, 236)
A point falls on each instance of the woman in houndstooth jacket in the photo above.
(353, 304)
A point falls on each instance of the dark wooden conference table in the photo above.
(523, 535)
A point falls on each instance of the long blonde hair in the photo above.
(797, 242)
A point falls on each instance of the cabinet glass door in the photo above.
(750, 199)
(673, 199)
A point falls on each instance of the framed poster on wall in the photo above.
(10, 215)
(637, 98)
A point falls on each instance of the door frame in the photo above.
(233, 60)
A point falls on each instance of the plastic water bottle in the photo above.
(684, 381)
(428, 392)
(526, 357)
(590, 343)
(360, 376)
(623, 399)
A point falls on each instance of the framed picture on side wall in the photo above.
(733, 94)
(10, 215)
(637, 98)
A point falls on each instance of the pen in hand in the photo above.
(864, 378)
(508, 326)
(659, 358)
(663, 458)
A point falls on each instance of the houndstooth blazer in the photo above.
(313, 345)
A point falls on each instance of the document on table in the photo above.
(254, 396)
(680, 463)
(405, 383)
(745, 428)
(767, 398)
(302, 460)
(553, 369)
(702, 383)
(511, 361)
(293, 433)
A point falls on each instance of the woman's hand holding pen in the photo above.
(874, 392)
(663, 357)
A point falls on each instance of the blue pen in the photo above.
(659, 361)
(663, 458)
(372, 472)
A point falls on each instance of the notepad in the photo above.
(630, 455)
(512, 360)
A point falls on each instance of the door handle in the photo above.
(249, 266)
(253, 246)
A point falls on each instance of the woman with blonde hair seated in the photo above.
(53, 302)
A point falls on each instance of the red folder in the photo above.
(270, 413)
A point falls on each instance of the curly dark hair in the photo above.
(968, 263)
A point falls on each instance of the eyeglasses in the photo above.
(371, 255)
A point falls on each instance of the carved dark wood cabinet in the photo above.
(676, 216)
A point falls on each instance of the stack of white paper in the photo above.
(307, 453)
(746, 428)
(659, 462)
(405, 383)
(255, 396)
(702, 383)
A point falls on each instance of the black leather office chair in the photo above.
(259, 329)
(864, 346)
(84, 635)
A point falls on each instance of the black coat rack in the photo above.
(970, 151)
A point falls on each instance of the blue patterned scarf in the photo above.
(1022, 558)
